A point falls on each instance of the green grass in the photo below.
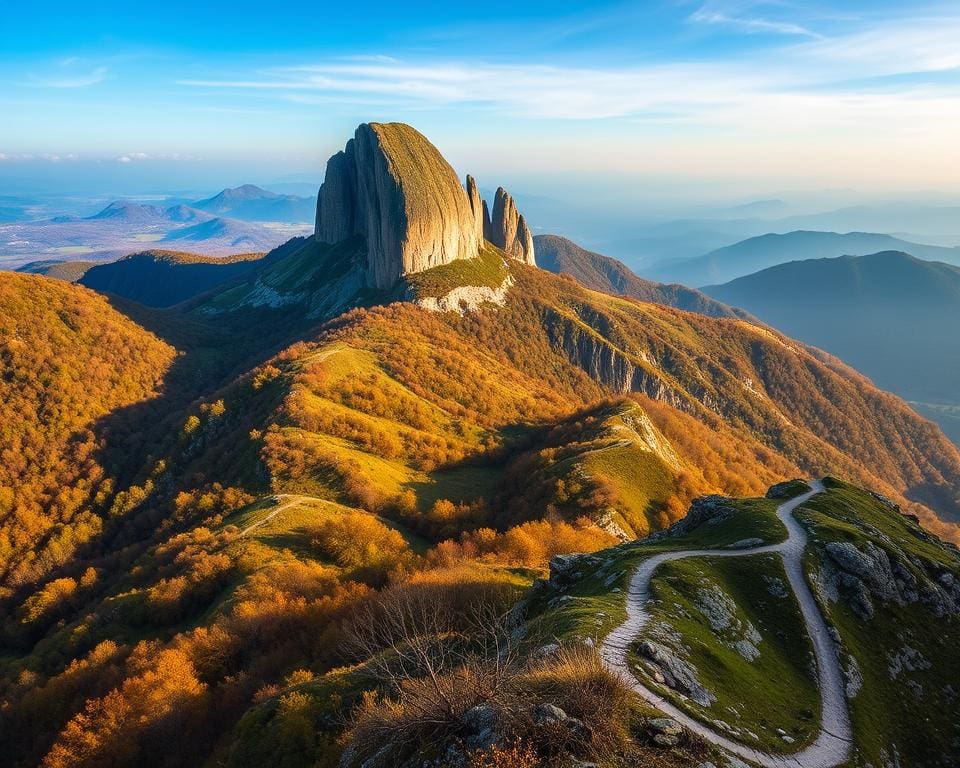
(298, 726)
(595, 609)
(775, 690)
(641, 479)
(489, 270)
(885, 712)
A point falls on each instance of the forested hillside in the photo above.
(255, 496)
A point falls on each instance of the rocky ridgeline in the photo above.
(508, 229)
(391, 186)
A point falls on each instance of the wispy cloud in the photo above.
(68, 73)
(809, 83)
(747, 17)
(752, 24)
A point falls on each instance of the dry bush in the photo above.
(516, 755)
(576, 680)
(438, 645)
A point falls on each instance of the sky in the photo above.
(725, 97)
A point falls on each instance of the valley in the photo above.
(422, 488)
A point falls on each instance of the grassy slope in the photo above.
(489, 270)
(595, 608)
(891, 716)
(776, 690)
(887, 716)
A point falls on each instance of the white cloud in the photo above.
(68, 73)
(751, 24)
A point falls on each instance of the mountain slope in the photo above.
(224, 232)
(71, 271)
(278, 522)
(601, 273)
(801, 403)
(757, 253)
(164, 278)
(719, 626)
(885, 314)
(490, 438)
(68, 360)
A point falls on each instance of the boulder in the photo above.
(665, 725)
(545, 714)
(481, 723)
(677, 673)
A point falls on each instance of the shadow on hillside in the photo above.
(211, 354)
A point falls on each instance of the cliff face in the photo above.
(392, 186)
(509, 230)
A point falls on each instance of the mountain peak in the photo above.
(392, 187)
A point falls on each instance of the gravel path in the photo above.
(832, 745)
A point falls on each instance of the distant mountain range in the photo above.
(602, 273)
(252, 203)
(642, 244)
(124, 227)
(890, 315)
(756, 253)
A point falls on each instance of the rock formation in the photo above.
(509, 230)
(478, 207)
(393, 187)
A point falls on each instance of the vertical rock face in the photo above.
(508, 229)
(477, 206)
(337, 202)
(525, 243)
(391, 185)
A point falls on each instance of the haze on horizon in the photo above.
(672, 100)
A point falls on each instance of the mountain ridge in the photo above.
(603, 273)
(756, 253)
(884, 313)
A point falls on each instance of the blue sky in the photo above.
(733, 95)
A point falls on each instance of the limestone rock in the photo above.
(678, 674)
(394, 188)
(477, 207)
(666, 731)
(525, 242)
(509, 230)
(666, 725)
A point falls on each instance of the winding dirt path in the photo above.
(832, 745)
(281, 504)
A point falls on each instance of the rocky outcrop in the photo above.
(478, 208)
(585, 346)
(466, 298)
(669, 669)
(509, 230)
(393, 187)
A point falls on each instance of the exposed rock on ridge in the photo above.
(392, 186)
(509, 230)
